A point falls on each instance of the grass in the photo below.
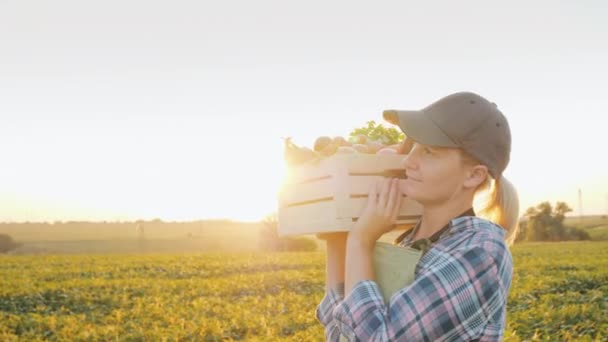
(559, 293)
(598, 232)
(586, 222)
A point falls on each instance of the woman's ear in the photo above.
(476, 176)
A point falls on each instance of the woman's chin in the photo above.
(407, 190)
(413, 194)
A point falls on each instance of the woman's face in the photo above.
(434, 174)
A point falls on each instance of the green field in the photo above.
(595, 225)
(589, 221)
(560, 292)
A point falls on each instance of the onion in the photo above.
(322, 142)
(345, 150)
(361, 148)
(374, 146)
(340, 141)
(387, 151)
(361, 139)
(329, 149)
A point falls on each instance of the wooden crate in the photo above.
(330, 195)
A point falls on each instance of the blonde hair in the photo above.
(501, 203)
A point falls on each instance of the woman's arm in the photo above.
(454, 299)
(334, 282)
(359, 262)
(380, 213)
(335, 262)
(377, 218)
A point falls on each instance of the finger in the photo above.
(384, 194)
(392, 198)
(399, 200)
(373, 193)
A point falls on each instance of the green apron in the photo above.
(395, 266)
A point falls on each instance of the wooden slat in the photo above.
(410, 222)
(297, 193)
(308, 172)
(330, 226)
(310, 219)
(354, 185)
(308, 213)
(355, 163)
(374, 162)
(360, 185)
(303, 185)
(354, 207)
(314, 227)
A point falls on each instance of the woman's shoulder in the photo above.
(469, 232)
(470, 239)
(477, 227)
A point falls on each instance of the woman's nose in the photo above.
(409, 162)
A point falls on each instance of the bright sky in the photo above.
(117, 110)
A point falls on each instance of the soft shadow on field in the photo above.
(132, 237)
(136, 247)
(595, 225)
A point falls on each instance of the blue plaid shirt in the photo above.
(459, 293)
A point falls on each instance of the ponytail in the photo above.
(501, 206)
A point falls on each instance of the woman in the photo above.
(460, 147)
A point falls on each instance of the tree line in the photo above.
(545, 222)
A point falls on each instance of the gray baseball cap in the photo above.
(463, 120)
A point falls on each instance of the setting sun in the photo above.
(100, 124)
(148, 190)
(142, 170)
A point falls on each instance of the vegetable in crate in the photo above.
(295, 155)
(325, 146)
(322, 142)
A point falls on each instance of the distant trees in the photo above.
(546, 223)
(7, 243)
(270, 240)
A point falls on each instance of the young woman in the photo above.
(460, 147)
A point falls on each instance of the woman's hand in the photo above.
(380, 213)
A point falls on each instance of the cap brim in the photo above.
(417, 125)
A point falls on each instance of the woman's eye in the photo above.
(427, 150)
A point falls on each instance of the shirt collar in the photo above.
(439, 233)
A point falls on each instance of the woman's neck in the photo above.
(436, 217)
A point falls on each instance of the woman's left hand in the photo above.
(380, 213)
